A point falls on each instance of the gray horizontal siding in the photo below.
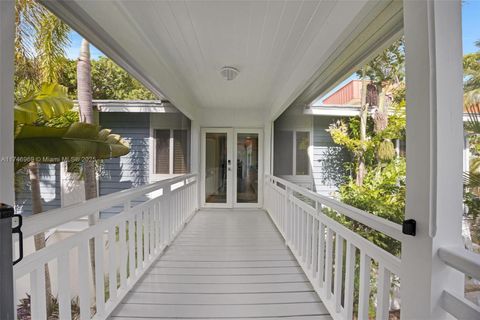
(328, 158)
(131, 170)
(49, 189)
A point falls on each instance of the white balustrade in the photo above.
(131, 239)
(331, 254)
(468, 263)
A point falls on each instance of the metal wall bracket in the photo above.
(409, 227)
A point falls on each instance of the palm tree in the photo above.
(87, 115)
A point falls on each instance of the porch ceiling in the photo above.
(178, 47)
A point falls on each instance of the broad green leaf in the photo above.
(53, 145)
(51, 100)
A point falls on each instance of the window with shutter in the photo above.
(180, 152)
(162, 151)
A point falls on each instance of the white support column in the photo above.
(267, 154)
(268, 147)
(7, 195)
(7, 33)
(434, 153)
(195, 154)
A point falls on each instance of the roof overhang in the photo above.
(300, 52)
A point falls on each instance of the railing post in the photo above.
(6, 268)
(434, 154)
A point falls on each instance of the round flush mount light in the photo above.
(229, 73)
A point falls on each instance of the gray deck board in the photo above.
(226, 264)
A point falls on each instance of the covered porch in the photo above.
(176, 250)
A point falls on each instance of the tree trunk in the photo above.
(361, 169)
(84, 91)
(381, 115)
(39, 239)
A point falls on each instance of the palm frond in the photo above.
(471, 179)
(51, 101)
(78, 141)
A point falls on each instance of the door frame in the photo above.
(229, 182)
(231, 174)
(259, 203)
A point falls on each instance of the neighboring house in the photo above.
(159, 137)
(305, 153)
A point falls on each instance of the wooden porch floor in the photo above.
(226, 264)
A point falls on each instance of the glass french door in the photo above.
(231, 167)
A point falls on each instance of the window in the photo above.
(291, 153)
(171, 151)
(302, 163)
(180, 151)
(162, 151)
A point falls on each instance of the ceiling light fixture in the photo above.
(229, 73)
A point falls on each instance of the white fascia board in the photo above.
(344, 111)
(339, 111)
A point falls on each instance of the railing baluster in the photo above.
(315, 247)
(84, 280)
(38, 300)
(338, 272)
(308, 247)
(328, 263)
(151, 227)
(131, 246)
(100, 274)
(64, 304)
(383, 292)
(349, 280)
(112, 263)
(321, 255)
(364, 290)
(123, 257)
(140, 241)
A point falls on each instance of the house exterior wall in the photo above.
(49, 186)
(328, 158)
(349, 94)
(131, 170)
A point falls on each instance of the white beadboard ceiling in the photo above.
(178, 47)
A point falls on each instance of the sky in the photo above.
(74, 49)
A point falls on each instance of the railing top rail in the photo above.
(462, 260)
(387, 227)
(47, 220)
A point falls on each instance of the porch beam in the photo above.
(434, 154)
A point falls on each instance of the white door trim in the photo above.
(260, 168)
(229, 182)
(232, 173)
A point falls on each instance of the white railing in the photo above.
(124, 247)
(467, 263)
(332, 255)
